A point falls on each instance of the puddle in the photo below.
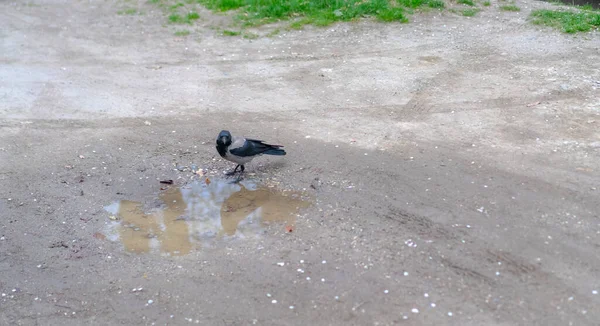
(197, 214)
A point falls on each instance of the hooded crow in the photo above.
(242, 150)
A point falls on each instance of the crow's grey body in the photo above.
(240, 150)
(239, 145)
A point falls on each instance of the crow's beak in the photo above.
(223, 140)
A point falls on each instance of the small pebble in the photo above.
(450, 313)
(301, 261)
(405, 317)
(150, 301)
(268, 295)
(405, 273)
(292, 307)
(274, 301)
(432, 305)
(281, 264)
(337, 297)
(300, 270)
(426, 295)
(594, 292)
(322, 280)
(308, 278)
(415, 310)
(386, 291)
(324, 262)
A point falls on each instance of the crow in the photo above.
(242, 150)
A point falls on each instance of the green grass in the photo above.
(436, 4)
(466, 2)
(249, 35)
(183, 32)
(510, 8)
(469, 12)
(231, 33)
(487, 3)
(413, 4)
(128, 11)
(175, 6)
(274, 32)
(567, 21)
(184, 19)
(176, 18)
(582, 7)
(224, 5)
(317, 12)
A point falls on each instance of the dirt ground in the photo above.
(453, 165)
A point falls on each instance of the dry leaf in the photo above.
(207, 181)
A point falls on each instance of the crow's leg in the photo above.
(234, 170)
(239, 178)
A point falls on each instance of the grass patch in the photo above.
(184, 32)
(317, 12)
(231, 33)
(192, 15)
(128, 11)
(249, 36)
(510, 8)
(274, 32)
(392, 14)
(469, 12)
(466, 2)
(299, 23)
(567, 21)
(225, 5)
(436, 4)
(487, 3)
(184, 19)
(176, 18)
(175, 6)
(413, 4)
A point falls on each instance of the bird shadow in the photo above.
(269, 166)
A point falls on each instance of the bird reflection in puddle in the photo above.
(196, 214)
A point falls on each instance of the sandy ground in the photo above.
(453, 166)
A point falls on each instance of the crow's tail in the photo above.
(274, 151)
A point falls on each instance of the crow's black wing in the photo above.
(251, 147)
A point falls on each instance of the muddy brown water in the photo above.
(197, 214)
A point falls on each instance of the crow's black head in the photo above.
(223, 141)
(224, 138)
